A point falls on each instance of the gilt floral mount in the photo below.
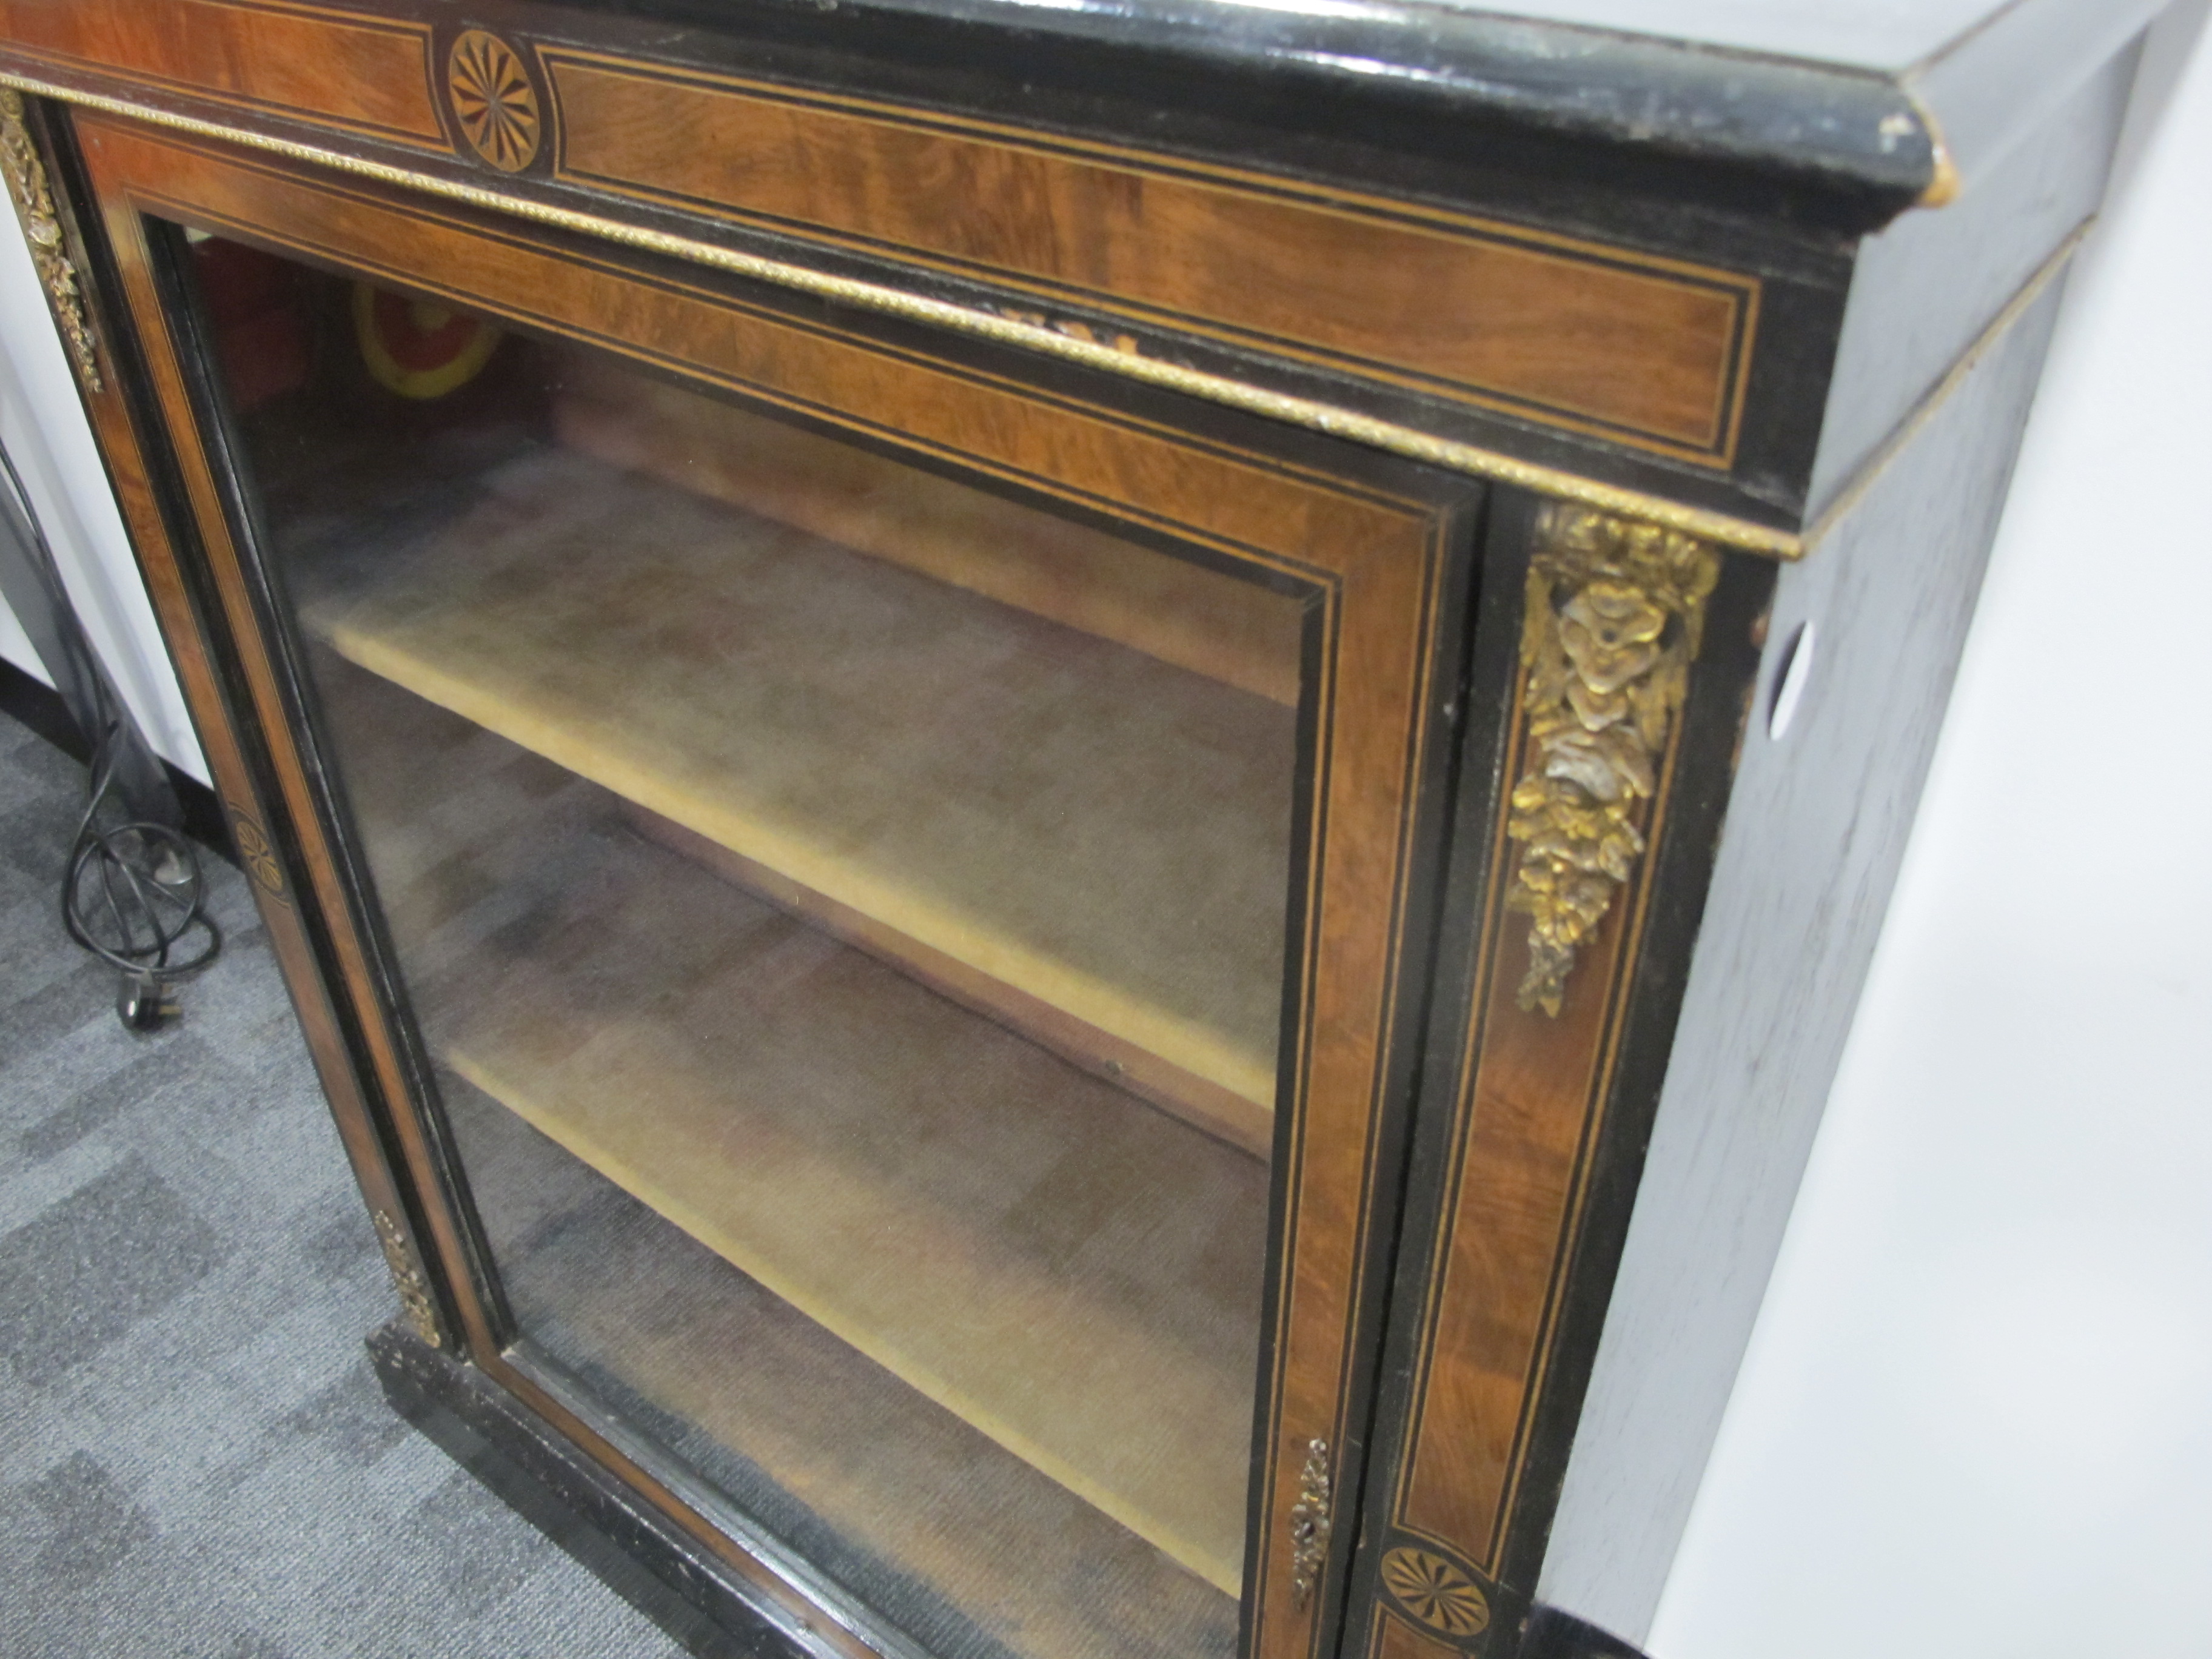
(1614, 612)
(42, 229)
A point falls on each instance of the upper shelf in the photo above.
(1085, 840)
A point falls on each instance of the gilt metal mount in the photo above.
(1309, 1524)
(407, 1279)
(42, 229)
(1614, 612)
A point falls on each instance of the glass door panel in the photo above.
(844, 908)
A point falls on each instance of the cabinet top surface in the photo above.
(1886, 96)
(1881, 103)
(1880, 37)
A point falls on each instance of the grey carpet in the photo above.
(195, 1458)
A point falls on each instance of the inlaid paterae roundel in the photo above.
(1436, 1591)
(493, 100)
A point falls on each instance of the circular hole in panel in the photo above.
(1789, 679)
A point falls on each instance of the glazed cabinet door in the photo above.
(877, 893)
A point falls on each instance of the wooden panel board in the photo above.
(1531, 1096)
(1073, 1274)
(1104, 834)
(1527, 1091)
(1645, 349)
(1532, 1110)
(364, 74)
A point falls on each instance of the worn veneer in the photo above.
(1539, 326)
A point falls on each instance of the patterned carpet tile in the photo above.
(195, 1460)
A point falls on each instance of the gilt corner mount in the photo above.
(1615, 609)
(42, 229)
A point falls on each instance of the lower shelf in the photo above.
(1076, 1274)
(969, 1551)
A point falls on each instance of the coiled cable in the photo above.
(133, 894)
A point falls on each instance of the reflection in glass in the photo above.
(844, 908)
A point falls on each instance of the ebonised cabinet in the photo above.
(1074, 808)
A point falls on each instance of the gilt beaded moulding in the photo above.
(1615, 609)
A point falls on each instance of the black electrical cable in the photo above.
(139, 884)
(133, 892)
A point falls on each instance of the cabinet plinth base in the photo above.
(546, 1478)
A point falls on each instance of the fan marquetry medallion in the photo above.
(1437, 1592)
(493, 100)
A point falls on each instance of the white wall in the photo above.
(15, 645)
(42, 423)
(1976, 1418)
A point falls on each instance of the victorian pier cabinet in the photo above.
(1074, 806)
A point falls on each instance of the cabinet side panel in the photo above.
(1814, 833)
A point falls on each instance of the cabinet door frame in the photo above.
(1530, 1123)
(1386, 550)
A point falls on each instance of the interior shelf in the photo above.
(1072, 1272)
(971, 1552)
(1084, 839)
